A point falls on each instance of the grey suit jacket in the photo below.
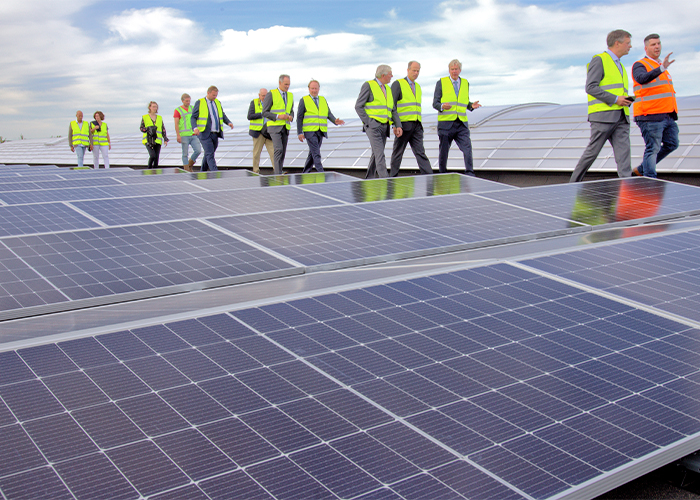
(367, 122)
(267, 106)
(437, 104)
(593, 78)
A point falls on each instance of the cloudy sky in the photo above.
(118, 55)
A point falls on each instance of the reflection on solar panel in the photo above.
(351, 235)
(49, 217)
(605, 202)
(663, 272)
(491, 382)
(101, 264)
(406, 187)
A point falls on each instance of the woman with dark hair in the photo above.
(153, 133)
(99, 139)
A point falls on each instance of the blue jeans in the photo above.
(80, 152)
(661, 139)
(187, 141)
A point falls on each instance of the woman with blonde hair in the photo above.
(153, 133)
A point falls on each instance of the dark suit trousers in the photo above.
(314, 140)
(458, 132)
(618, 133)
(279, 140)
(209, 146)
(413, 135)
(377, 141)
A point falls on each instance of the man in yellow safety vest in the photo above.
(313, 115)
(79, 136)
(608, 106)
(278, 108)
(208, 120)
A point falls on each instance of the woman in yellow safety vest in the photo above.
(99, 139)
(153, 133)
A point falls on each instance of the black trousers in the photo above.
(153, 155)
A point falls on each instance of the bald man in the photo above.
(258, 130)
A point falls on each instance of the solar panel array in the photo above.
(490, 382)
(286, 224)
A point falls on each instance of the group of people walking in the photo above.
(383, 108)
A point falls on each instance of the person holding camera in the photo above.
(153, 133)
(99, 139)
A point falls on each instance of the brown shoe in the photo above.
(636, 172)
(190, 164)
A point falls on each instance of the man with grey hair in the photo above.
(407, 102)
(258, 130)
(608, 106)
(451, 99)
(375, 107)
(278, 108)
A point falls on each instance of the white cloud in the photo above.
(512, 53)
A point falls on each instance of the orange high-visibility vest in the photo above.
(654, 97)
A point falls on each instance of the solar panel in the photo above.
(389, 403)
(44, 218)
(618, 201)
(405, 187)
(112, 264)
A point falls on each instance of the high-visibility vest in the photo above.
(315, 118)
(409, 106)
(159, 128)
(657, 96)
(81, 134)
(459, 103)
(258, 123)
(184, 126)
(613, 81)
(204, 114)
(279, 108)
(100, 138)
(380, 107)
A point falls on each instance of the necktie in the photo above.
(316, 101)
(284, 96)
(413, 87)
(455, 84)
(384, 90)
(214, 117)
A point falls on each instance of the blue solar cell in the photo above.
(473, 369)
(353, 331)
(195, 365)
(75, 390)
(299, 344)
(147, 468)
(34, 484)
(229, 357)
(19, 220)
(591, 383)
(422, 389)
(677, 418)
(283, 479)
(234, 485)
(334, 471)
(233, 395)
(152, 415)
(157, 373)
(117, 381)
(636, 424)
(390, 397)
(160, 339)
(472, 482)
(477, 419)
(318, 419)
(504, 329)
(399, 353)
(102, 481)
(279, 430)
(611, 436)
(455, 435)
(342, 304)
(189, 492)
(424, 486)
(194, 332)
(125, 345)
(107, 425)
(226, 326)
(13, 368)
(47, 360)
(262, 350)
(511, 411)
(6, 417)
(307, 379)
(239, 442)
(194, 404)
(270, 386)
(17, 452)
(29, 400)
(353, 408)
(374, 363)
(194, 454)
(340, 368)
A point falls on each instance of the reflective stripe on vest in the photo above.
(613, 81)
(81, 135)
(279, 108)
(657, 96)
(204, 114)
(459, 103)
(409, 106)
(100, 138)
(185, 124)
(258, 123)
(315, 118)
(159, 128)
(380, 107)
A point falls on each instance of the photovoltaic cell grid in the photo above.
(406, 187)
(113, 264)
(663, 271)
(49, 217)
(492, 382)
(605, 202)
(353, 234)
(243, 201)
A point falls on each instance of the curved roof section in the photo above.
(543, 137)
